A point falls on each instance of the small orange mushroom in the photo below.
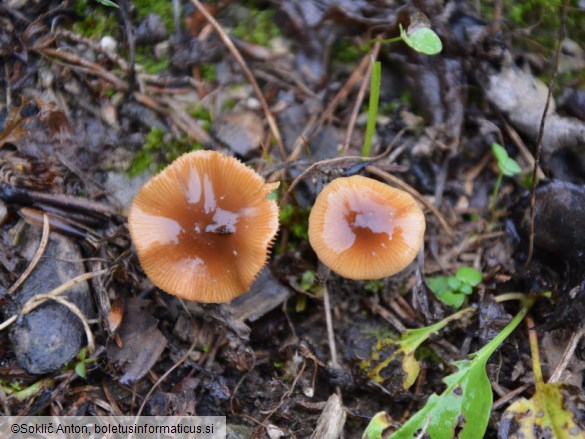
(363, 229)
(203, 226)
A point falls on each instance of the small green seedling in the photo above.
(310, 285)
(80, 366)
(506, 165)
(374, 286)
(452, 290)
(464, 407)
(296, 220)
(375, 81)
(16, 391)
(404, 350)
(420, 37)
(307, 280)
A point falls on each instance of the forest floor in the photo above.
(96, 98)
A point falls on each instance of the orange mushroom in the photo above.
(203, 226)
(363, 229)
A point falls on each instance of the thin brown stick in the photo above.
(316, 121)
(95, 45)
(75, 61)
(538, 153)
(36, 259)
(522, 148)
(510, 395)
(62, 288)
(163, 377)
(412, 191)
(284, 397)
(353, 79)
(236, 53)
(320, 163)
(567, 355)
(186, 122)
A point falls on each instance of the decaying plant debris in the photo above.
(96, 99)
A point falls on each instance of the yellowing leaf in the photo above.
(463, 409)
(551, 412)
(375, 429)
(403, 351)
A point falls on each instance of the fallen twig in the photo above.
(561, 38)
(163, 377)
(36, 259)
(358, 159)
(567, 355)
(54, 295)
(236, 53)
(315, 121)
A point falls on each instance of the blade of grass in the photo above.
(372, 107)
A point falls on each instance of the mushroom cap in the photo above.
(364, 229)
(202, 227)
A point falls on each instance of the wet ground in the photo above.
(96, 99)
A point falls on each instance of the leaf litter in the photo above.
(78, 108)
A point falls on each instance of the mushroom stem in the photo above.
(329, 323)
(323, 273)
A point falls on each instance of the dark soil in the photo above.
(96, 99)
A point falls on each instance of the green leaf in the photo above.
(467, 400)
(454, 283)
(80, 369)
(466, 289)
(375, 82)
(307, 280)
(438, 284)
(301, 304)
(451, 289)
(32, 390)
(452, 298)
(547, 414)
(508, 166)
(465, 405)
(469, 275)
(380, 422)
(411, 369)
(108, 3)
(422, 39)
(499, 152)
